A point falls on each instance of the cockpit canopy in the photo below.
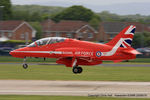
(46, 41)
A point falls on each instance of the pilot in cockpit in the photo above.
(46, 41)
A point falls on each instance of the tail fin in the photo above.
(124, 38)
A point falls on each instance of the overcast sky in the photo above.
(95, 5)
(77, 2)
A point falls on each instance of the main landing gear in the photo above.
(77, 70)
(25, 66)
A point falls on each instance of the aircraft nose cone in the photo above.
(11, 52)
(15, 53)
(18, 53)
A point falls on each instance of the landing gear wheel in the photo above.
(75, 70)
(25, 66)
(79, 69)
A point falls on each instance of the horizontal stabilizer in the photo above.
(133, 51)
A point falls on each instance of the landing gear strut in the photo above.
(25, 66)
(77, 70)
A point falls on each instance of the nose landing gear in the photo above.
(25, 66)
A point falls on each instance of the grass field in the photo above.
(12, 59)
(14, 97)
(60, 72)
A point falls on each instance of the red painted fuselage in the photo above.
(72, 52)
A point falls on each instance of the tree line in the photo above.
(39, 13)
(34, 14)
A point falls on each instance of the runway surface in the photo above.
(75, 88)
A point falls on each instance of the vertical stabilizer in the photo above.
(124, 38)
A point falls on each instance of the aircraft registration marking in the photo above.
(84, 53)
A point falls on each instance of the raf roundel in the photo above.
(98, 53)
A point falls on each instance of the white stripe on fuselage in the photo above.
(114, 49)
(49, 52)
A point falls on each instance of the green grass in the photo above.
(140, 60)
(16, 97)
(60, 72)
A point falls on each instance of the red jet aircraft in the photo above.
(72, 52)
